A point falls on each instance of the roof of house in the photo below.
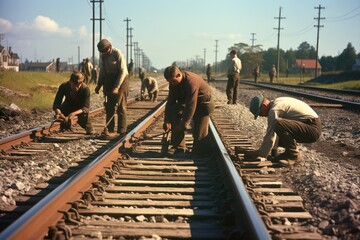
(307, 63)
(38, 64)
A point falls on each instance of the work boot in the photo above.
(274, 154)
(289, 154)
(291, 161)
(177, 152)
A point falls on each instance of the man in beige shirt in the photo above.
(114, 79)
(233, 78)
(289, 121)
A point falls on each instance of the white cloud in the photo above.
(82, 31)
(47, 25)
(5, 25)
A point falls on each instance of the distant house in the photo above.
(306, 66)
(39, 66)
(356, 65)
(8, 59)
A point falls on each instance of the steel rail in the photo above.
(256, 227)
(34, 223)
(31, 134)
(346, 104)
(340, 91)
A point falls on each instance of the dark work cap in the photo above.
(103, 45)
(233, 52)
(255, 105)
(77, 77)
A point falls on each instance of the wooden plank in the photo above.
(165, 178)
(267, 183)
(150, 211)
(161, 172)
(153, 162)
(302, 215)
(279, 198)
(301, 235)
(207, 233)
(163, 182)
(181, 168)
(160, 196)
(158, 189)
(273, 190)
(286, 205)
(147, 203)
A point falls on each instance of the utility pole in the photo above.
(127, 20)
(93, 20)
(79, 57)
(317, 38)
(205, 59)
(278, 43)
(252, 39)
(136, 65)
(216, 51)
(131, 43)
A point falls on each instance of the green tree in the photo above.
(305, 51)
(346, 58)
(328, 63)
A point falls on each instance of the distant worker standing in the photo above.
(131, 67)
(76, 103)
(208, 72)
(256, 73)
(233, 78)
(94, 75)
(151, 85)
(86, 69)
(272, 73)
(114, 79)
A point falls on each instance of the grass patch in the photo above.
(350, 85)
(41, 86)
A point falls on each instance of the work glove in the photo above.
(167, 127)
(97, 89)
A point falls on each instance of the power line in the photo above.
(346, 14)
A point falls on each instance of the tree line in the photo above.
(252, 56)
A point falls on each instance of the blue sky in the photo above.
(169, 30)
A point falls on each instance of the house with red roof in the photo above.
(306, 66)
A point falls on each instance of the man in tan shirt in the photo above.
(289, 121)
(114, 79)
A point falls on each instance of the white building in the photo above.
(8, 59)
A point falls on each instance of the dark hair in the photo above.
(77, 77)
(233, 52)
(170, 72)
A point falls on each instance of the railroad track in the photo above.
(349, 99)
(133, 190)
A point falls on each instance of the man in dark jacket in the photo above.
(76, 103)
(189, 98)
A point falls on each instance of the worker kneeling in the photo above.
(289, 121)
(76, 103)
